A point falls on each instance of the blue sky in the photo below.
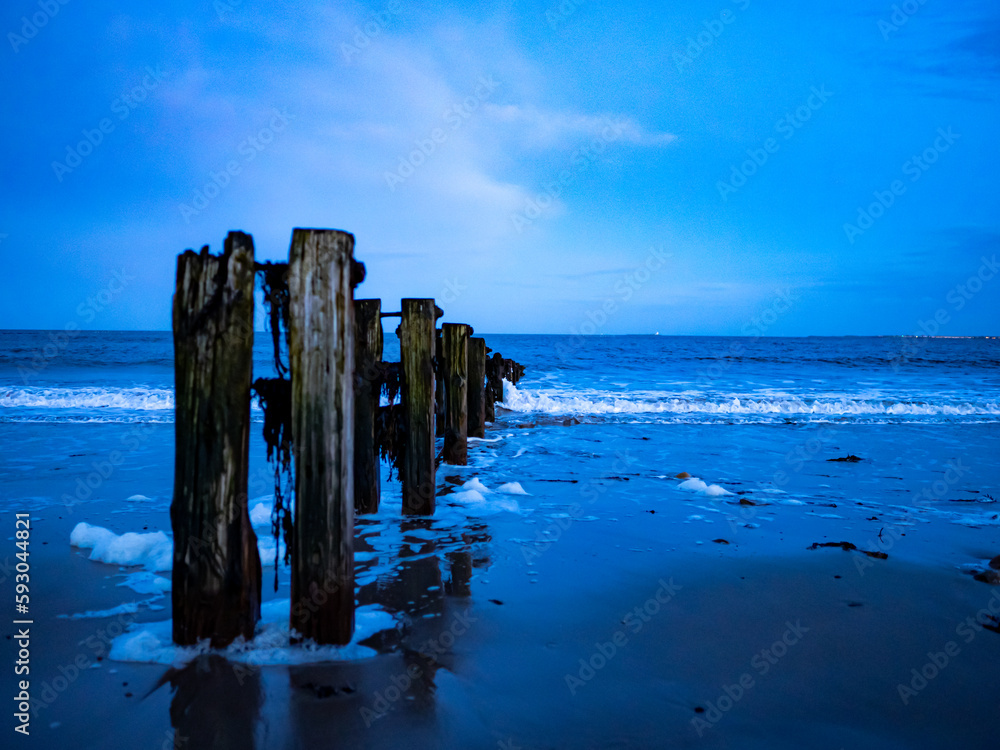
(715, 167)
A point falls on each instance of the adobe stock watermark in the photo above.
(914, 168)
(634, 620)
(960, 294)
(557, 15)
(373, 27)
(47, 10)
(122, 107)
(891, 533)
(451, 291)
(938, 661)
(794, 461)
(957, 298)
(98, 647)
(249, 149)
(580, 160)
(591, 492)
(103, 470)
(901, 14)
(623, 290)
(454, 118)
(757, 326)
(222, 7)
(761, 663)
(87, 311)
(714, 28)
(786, 126)
(386, 698)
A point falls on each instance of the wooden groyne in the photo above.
(325, 428)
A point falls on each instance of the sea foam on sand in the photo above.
(153, 551)
(697, 485)
(150, 642)
(472, 500)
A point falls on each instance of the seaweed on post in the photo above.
(275, 398)
(390, 432)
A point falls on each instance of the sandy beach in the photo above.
(607, 608)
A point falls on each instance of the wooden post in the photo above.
(494, 384)
(477, 387)
(416, 345)
(321, 358)
(440, 407)
(367, 390)
(216, 573)
(456, 380)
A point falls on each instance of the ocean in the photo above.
(570, 513)
(115, 376)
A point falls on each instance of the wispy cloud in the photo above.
(540, 128)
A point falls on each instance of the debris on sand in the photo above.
(850, 458)
(991, 577)
(849, 547)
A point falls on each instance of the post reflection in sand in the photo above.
(216, 703)
(416, 569)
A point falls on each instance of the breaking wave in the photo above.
(745, 405)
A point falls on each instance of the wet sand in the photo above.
(759, 643)
(808, 651)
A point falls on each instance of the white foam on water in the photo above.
(153, 551)
(512, 488)
(788, 501)
(271, 645)
(137, 499)
(977, 520)
(472, 502)
(135, 399)
(144, 582)
(476, 485)
(592, 402)
(260, 514)
(694, 484)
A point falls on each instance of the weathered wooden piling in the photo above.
(216, 570)
(440, 407)
(416, 343)
(367, 387)
(455, 366)
(477, 387)
(494, 384)
(321, 354)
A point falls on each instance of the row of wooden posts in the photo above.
(335, 350)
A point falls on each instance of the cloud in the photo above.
(538, 128)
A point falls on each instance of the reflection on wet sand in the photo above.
(421, 570)
(216, 703)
